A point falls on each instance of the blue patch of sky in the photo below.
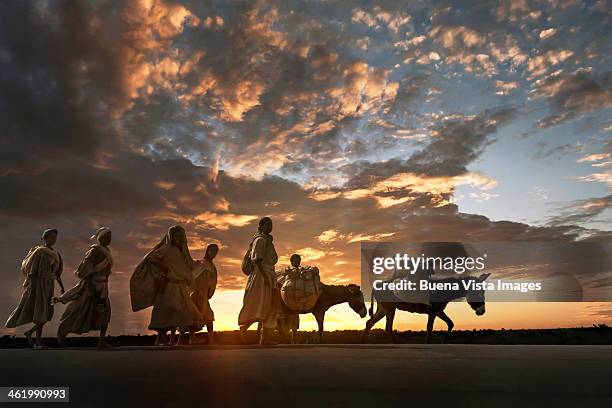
(532, 189)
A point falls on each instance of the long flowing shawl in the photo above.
(40, 267)
(26, 264)
(85, 269)
(142, 282)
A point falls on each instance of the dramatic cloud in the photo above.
(60, 75)
(573, 94)
(581, 211)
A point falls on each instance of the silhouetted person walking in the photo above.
(89, 307)
(204, 287)
(161, 280)
(41, 267)
(261, 297)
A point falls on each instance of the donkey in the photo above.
(331, 295)
(475, 298)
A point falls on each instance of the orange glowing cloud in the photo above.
(151, 25)
(410, 183)
(328, 236)
(224, 221)
(165, 185)
(365, 88)
(351, 238)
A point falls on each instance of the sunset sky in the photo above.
(344, 121)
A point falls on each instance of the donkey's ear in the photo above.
(483, 277)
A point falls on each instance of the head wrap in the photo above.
(143, 287)
(166, 242)
(100, 232)
(47, 232)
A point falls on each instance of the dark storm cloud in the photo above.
(59, 77)
(293, 167)
(163, 130)
(572, 94)
(457, 142)
(581, 211)
(129, 184)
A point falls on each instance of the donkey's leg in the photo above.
(283, 330)
(448, 322)
(320, 317)
(430, 323)
(389, 323)
(376, 317)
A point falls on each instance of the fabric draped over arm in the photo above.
(36, 262)
(31, 263)
(40, 268)
(147, 274)
(143, 280)
(86, 269)
(258, 249)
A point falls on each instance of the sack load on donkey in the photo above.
(300, 287)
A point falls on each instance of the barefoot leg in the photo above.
(173, 337)
(28, 336)
(39, 329)
(243, 333)
(102, 343)
(161, 338)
